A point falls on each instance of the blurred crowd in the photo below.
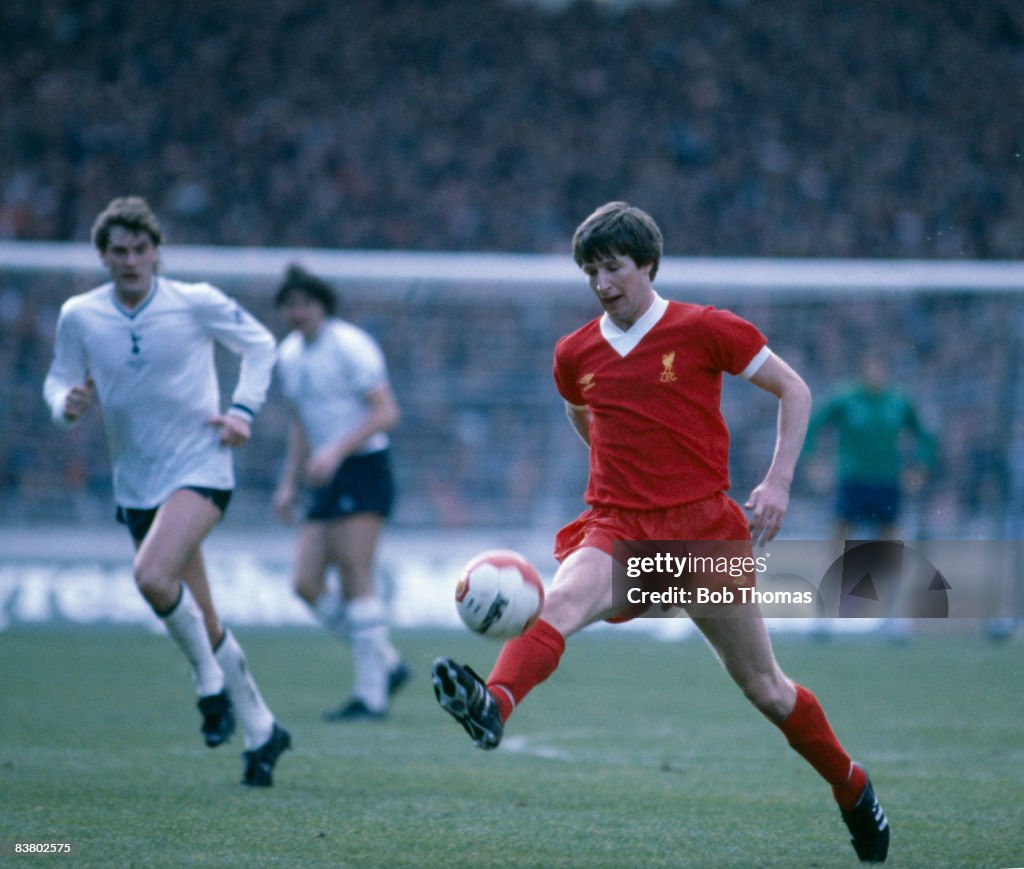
(807, 128)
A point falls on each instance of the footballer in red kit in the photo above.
(664, 393)
(642, 388)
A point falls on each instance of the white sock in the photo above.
(257, 719)
(330, 612)
(373, 654)
(185, 625)
(382, 637)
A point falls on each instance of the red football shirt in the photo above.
(657, 435)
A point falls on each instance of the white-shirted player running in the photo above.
(143, 345)
(335, 376)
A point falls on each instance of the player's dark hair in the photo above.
(298, 280)
(618, 229)
(130, 212)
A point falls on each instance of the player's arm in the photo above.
(239, 331)
(295, 457)
(68, 388)
(927, 444)
(770, 498)
(821, 419)
(926, 455)
(382, 415)
(820, 471)
(579, 419)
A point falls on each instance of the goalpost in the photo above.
(468, 339)
(393, 268)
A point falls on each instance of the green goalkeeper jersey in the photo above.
(870, 425)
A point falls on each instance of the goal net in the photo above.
(483, 440)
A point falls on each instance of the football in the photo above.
(499, 594)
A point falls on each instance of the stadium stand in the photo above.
(875, 130)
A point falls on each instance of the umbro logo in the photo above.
(586, 382)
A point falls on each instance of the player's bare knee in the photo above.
(564, 612)
(768, 695)
(156, 585)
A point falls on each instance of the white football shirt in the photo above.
(327, 381)
(156, 382)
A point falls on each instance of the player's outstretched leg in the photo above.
(463, 695)
(484, 707)
(808, 732)
(744, 648)
(868, 826)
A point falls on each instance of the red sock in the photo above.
(524, 663)
(808, 732)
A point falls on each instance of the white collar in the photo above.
(623, 341)
(132, 313)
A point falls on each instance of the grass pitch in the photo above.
(635, 754)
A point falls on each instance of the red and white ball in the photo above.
(499, 594)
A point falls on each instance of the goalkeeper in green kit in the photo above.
(871, 419)
(874, 423)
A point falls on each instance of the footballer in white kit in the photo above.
(154, 375)
(326, 379)
(143, 345)
(335, 376)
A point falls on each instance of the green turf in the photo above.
(635, 754)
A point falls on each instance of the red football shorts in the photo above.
(717, 517)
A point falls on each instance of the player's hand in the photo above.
(78, 400)
(234, 429)
(322, 466)
(768, 504)
(284, 503)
